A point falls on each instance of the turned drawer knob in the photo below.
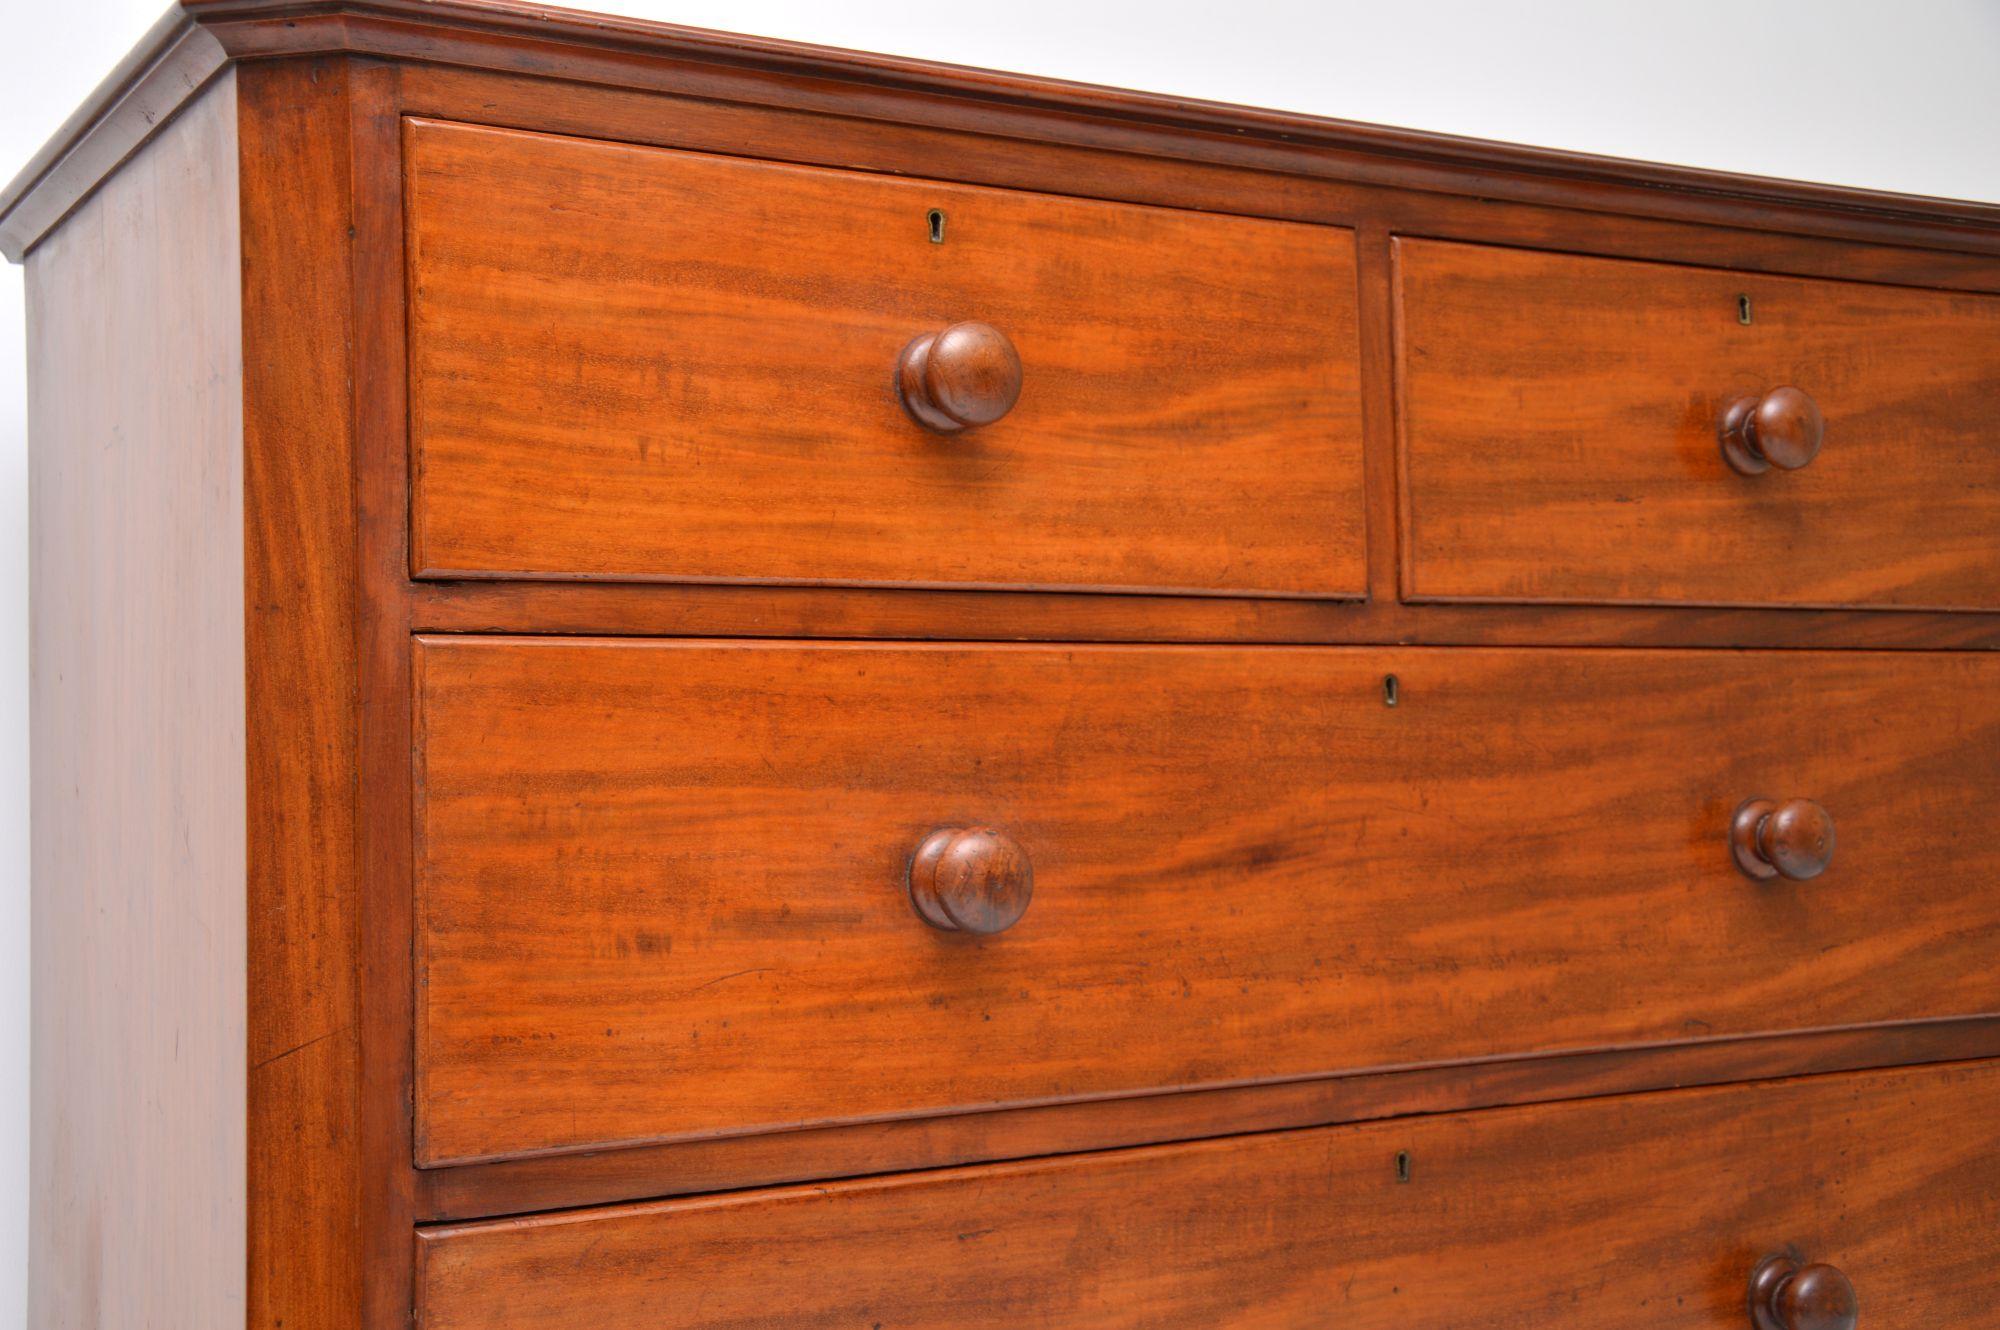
(1785, 1295)
(1793, 839)
(971, 880)
(1783, 428)
(967, 375)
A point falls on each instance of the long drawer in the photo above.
(632, 363)
(1653, 1211)
(1562, 427)
(665, 887)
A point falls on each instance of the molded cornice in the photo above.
(198, 38)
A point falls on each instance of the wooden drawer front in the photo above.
(1647, 1211)
(634, 363)
(1560, 418)
(663, 885)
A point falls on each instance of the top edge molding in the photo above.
(169, 67)
(197, 38)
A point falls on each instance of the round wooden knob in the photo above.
(1785, 1295)
(1793, 839)
(971, 880)
(967, 375)
(1783, 428)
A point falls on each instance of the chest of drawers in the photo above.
(690, 682)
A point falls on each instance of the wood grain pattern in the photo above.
(1781, 428)
(1522, 1218)
(1559, 420)
(136, 479)
(635, 364)
(383, 849)
(1788, 1295)
(685, 1168)
(970, 879)
(705, 109)
(618, 52)
(667, 941)
(627, 610)
(308, 1216)
(961, 377)
(1794, 839)
(570, 57)
(662, 885)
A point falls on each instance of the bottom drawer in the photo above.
(1643, 1211)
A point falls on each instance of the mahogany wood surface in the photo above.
(313, 1198)
(1794, 839)
(662, 886)
(971, 880)
(553, 1182)
(1653, 1210)
(383, 930)
(1560, 430)
(138, 1003)
(1786, 1295)
(751, 611)
(604, 52)
(709, 109)
(1782, 428)
(634, 364)
(1522, 876)
(966, 376)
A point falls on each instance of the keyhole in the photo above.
(1402, 1165)
(1392, 691)
(1743, 309)
(936, 217)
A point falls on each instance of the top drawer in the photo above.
(1560, 423)
(631, 363)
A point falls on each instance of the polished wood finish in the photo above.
(598, 51)
(635, 364)
(136, 481)
(718, 1164)
(1635, 1211)
(1553, 952)
(201, 1163)
(640, 918)
(783, 612)
(1559, 419)
(971, 880)
(966, 376)
(383, 924)
(717, 113)
(1781, 428)
(313, 1197)
(1793, 839)
(1785, 1295)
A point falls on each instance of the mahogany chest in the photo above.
(688, 682)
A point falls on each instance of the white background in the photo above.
(1902, 96)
